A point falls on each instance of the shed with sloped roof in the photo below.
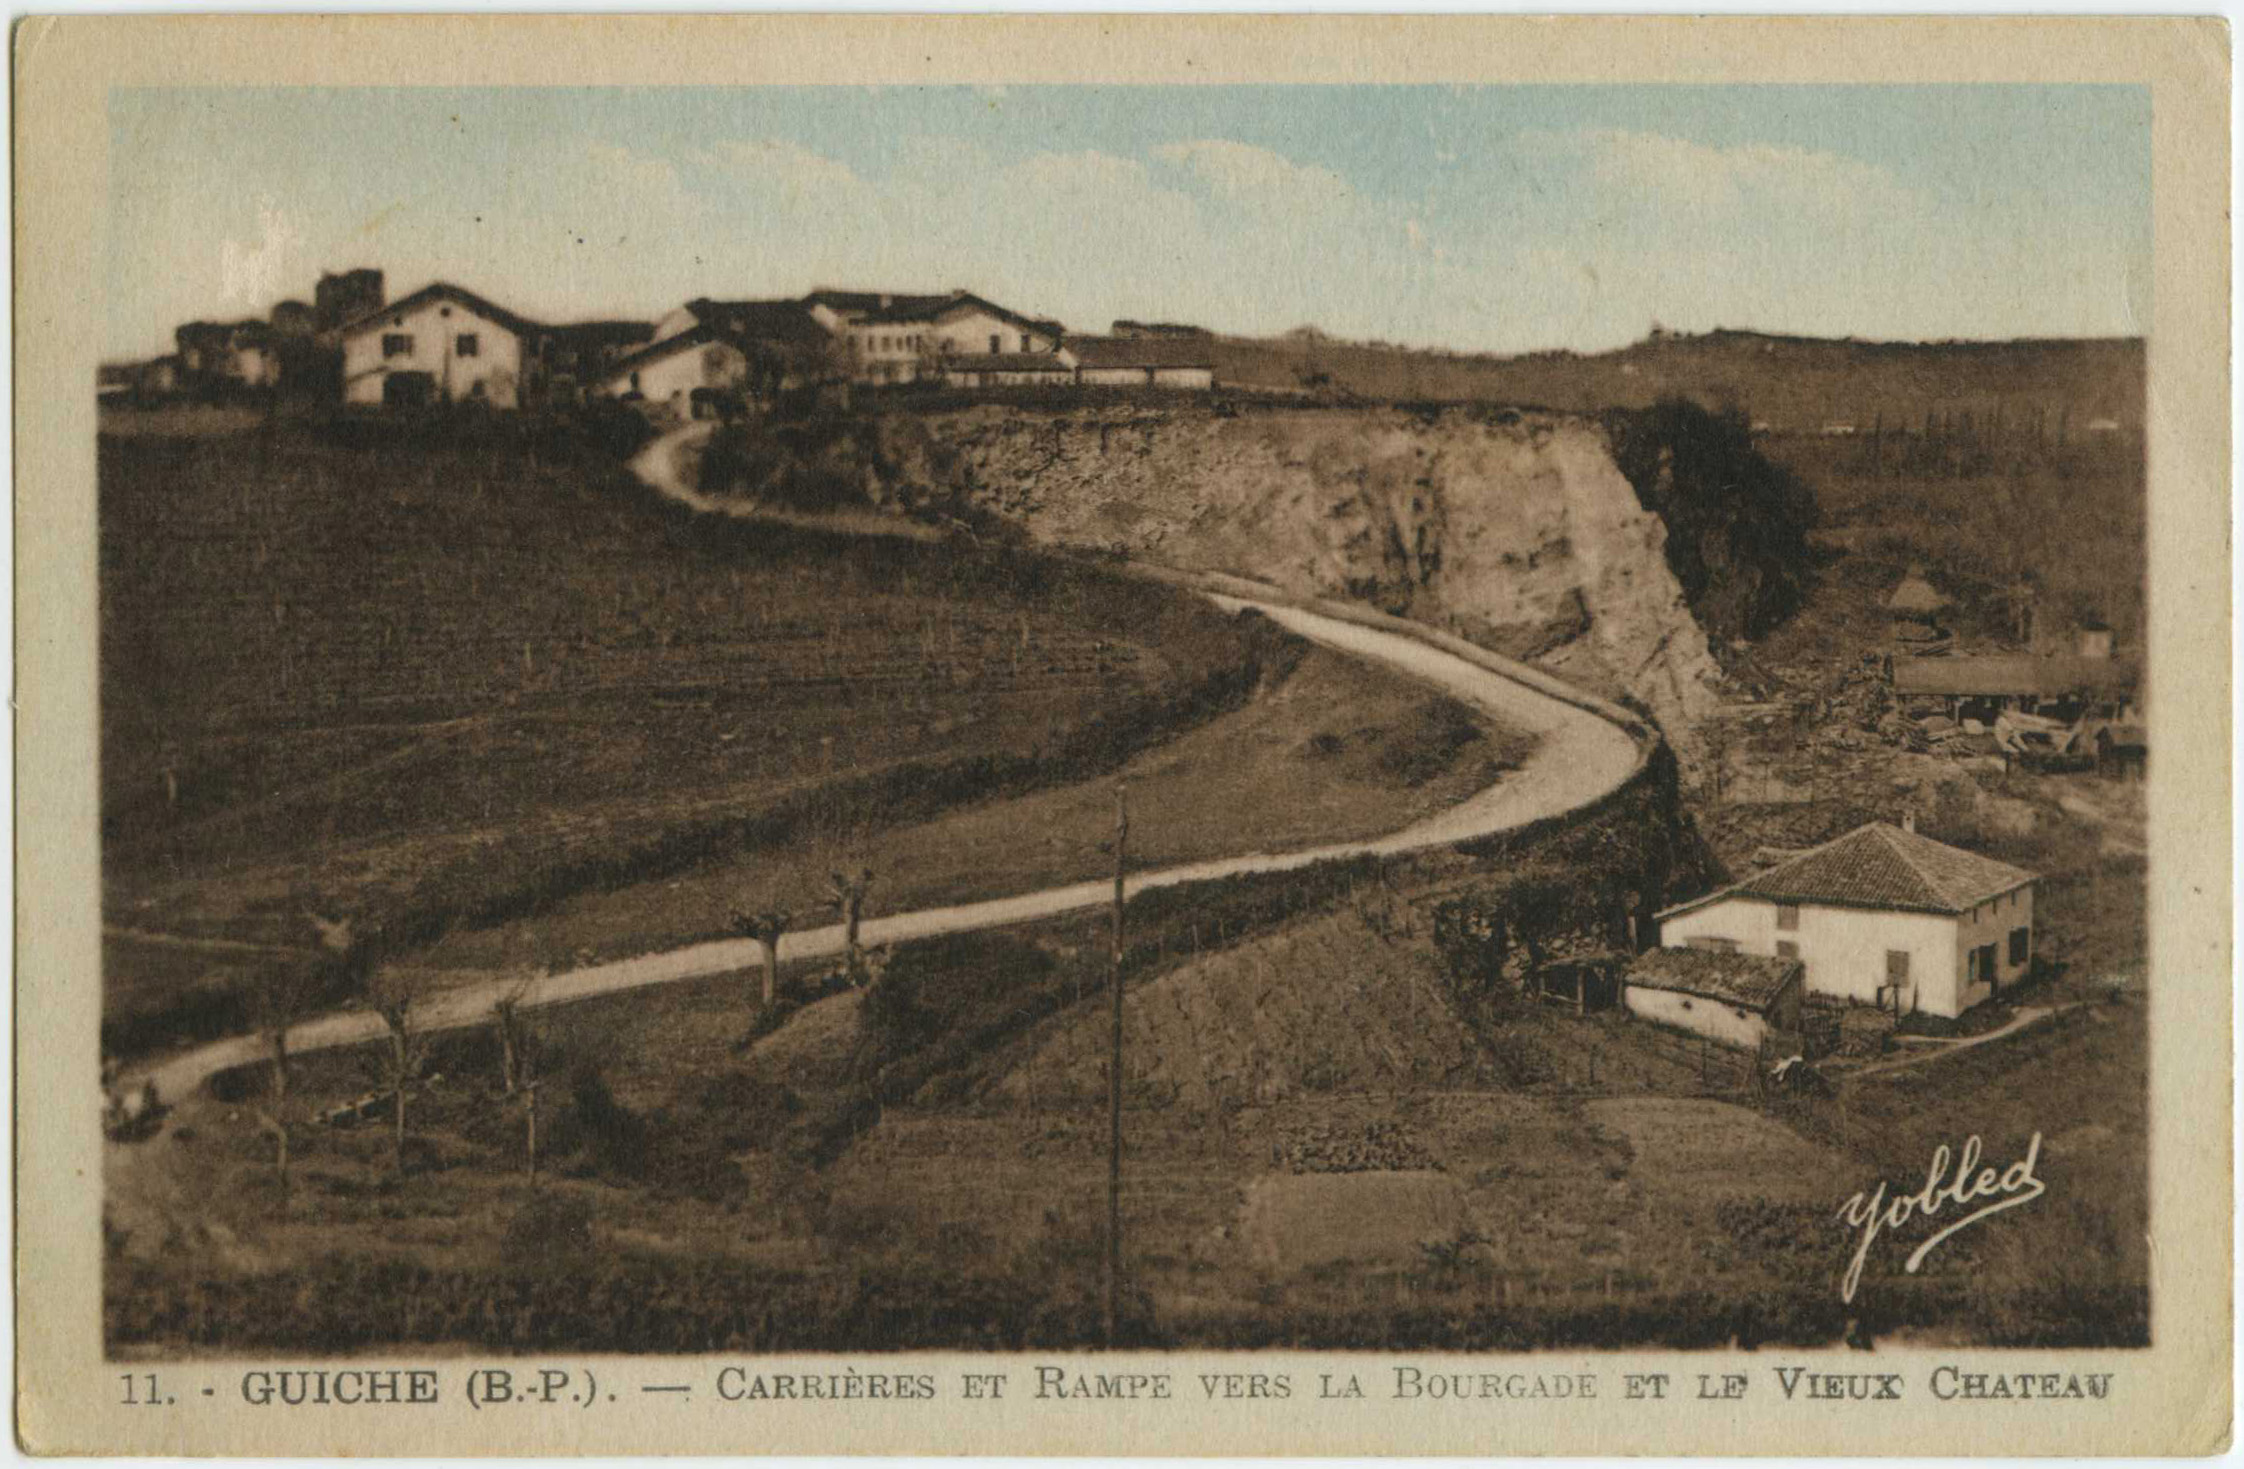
(1730, 997)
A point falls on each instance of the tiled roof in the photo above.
(1010, 362)
(1141, 352)
(1878, 866)
(2012, 674)
(601, 333)
(1752, 980)
(764, 321)
(735, 323)
(882, 305)
(521, 326)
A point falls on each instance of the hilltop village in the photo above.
(444, 343)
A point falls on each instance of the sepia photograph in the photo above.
(1372, 717)
(1468, 739)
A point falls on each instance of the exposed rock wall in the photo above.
(1515, 530)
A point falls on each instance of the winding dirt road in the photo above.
(1581, 755)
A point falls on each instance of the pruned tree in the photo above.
(849, 890)
(766, 927)
(281, 994)
(518, 1061)
(393, 997)
(516, 1040)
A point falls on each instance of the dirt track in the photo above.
(1580, 756)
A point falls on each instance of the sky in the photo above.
(1498, 218)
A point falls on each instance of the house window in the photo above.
(1786, 949)
(397, 344)
(467, 345)
(2019, 942)
(1788, 916)
(994, 348)
(1897, 967)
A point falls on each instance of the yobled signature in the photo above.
(1873, 1212)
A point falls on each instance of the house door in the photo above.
(1897, 975)
(1987, 969)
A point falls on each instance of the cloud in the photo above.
(639, 185)
(1241, 173)
(789, 167)
(1700, 179)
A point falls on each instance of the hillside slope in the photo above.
(1795, 384)
(1517, 531)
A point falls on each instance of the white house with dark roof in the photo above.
(725, 346)
(1881, 916)
(902, 338)
(442, 344)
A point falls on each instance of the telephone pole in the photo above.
(1114, 1080)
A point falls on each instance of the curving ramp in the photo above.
(1587, 750)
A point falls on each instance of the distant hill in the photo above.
(1789, 384)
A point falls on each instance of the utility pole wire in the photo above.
(1114, 1080)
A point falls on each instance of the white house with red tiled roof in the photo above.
(1882, 916)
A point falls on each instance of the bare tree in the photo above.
(518, 1063)
(280, 995)
(766, 927)
(849, 896)
(392, 997)
(515, 1038)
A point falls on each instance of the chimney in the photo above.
(1909, 820)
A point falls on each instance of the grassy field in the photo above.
(1321, 1153)
(1983, 520)
(423, 682)
(1333, 750)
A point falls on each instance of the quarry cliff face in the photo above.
(1517, 531)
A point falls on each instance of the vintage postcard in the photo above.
(1122, 735)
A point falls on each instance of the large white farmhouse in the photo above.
(1882, 916)
(442, 344)
(903, 338)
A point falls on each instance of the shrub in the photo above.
(1436, 729)
(550, 1224)
(1737, 523)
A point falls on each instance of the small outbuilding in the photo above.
(1733, 999)
(1011, 370)
(1144, 361)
